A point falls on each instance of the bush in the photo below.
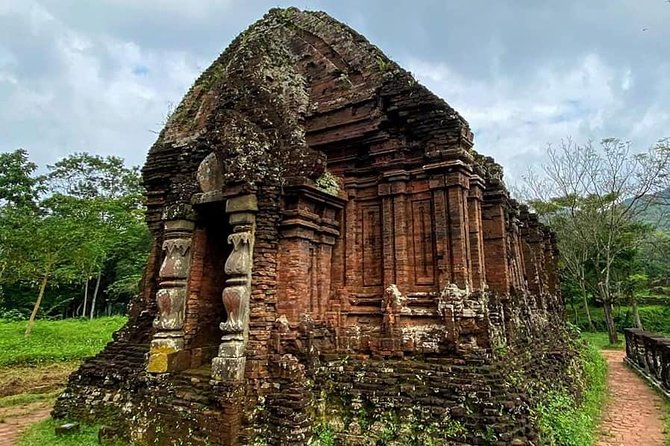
(12, 315)
(563, 420)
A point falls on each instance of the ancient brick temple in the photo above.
(331, 257)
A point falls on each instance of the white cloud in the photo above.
(514, 120)
(100, 76)
(102, 94)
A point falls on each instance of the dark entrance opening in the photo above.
(205, 308)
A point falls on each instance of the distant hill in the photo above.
(658, 213)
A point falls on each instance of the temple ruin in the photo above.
(330, 255)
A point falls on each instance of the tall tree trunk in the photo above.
(586, 305)
(38, 302)
(83, 310)
(609, 320)
(95, 293)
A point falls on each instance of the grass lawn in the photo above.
(34, 370)
(42, 434)
(55, 341)
(601, 340)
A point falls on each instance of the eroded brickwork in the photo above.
(331, 255)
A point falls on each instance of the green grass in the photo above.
(565, 422)
(55, 341)
(601, 340)
(42, 434)
(27, 398)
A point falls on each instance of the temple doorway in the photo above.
(206, 310)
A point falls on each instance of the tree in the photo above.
(42, 249)
(592, 196)
(19, 186)
(109, 197)
(89, 226)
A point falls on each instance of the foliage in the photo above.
(55, 340)
(563, 420)
(12, 315)
(79, 228)
(600, 340)
(328, 183)
(19, 187)
(654, 318)
(594, 198)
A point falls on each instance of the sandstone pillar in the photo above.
(167, 353)
(230, 363)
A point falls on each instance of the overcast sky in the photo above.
(100, 75)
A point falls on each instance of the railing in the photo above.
(649, 353)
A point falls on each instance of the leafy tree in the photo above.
(42, 247)
(19, 186)
(84, 176)
(593, 197)
(82, 221)
(108, 196)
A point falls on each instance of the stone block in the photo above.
(228, 369)
(242, 203)
(67, 428)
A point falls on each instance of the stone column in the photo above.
(475, 196)
(449, 186)
(531, 246)
(457, 183)
(167, 353)
(230, 363)
(396, 251)
(495, 234)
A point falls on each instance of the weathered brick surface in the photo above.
(392, 288)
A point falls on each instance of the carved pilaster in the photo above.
(475, 197)
(392, 304)
(230, 363)
(167, 346)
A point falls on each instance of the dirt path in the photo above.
(13, 420)
(634, 412)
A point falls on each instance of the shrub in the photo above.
(566, 421)
(12, 315)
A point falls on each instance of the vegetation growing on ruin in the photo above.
(565, 420)
(328, 183)
(334, 416)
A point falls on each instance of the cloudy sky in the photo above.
(101, 75)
